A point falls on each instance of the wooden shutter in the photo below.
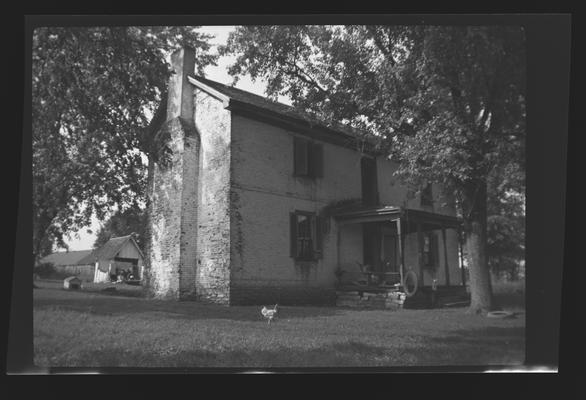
(319, 232)
(293, 235)
(300, 156)
(316, 155)
(435, 250)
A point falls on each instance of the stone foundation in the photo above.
(386, 300)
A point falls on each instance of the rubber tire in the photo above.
(415, 283)
(500, 314)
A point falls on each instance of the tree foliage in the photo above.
(446, 102)
(122, 223)
(94, 91)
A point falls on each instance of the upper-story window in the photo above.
(308, 158)
(427, 195)
(369, 179)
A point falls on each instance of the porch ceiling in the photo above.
(408, 217)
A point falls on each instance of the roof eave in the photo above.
(315, 130)
(390, 213)
(210, 90)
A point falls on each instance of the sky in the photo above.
(82, 239)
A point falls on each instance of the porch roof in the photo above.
(408, 217)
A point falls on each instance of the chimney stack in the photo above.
(172, 250)
(180, 91)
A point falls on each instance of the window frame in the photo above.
(313, 241)
(307, 158)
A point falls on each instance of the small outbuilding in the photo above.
(72, 263)
(72, 283)
(119, 256)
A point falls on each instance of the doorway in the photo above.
(390, 253)
(369, 181)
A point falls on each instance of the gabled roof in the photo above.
(240, 100)
(110, 249)
(67, 258)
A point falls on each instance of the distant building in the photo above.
(118, 255)
(74, 263)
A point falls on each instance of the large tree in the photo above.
(94, 91)
(447, 103)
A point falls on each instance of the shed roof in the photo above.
(67, 258)
(384, 213)
(111, 248)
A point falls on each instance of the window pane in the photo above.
(305, 237)
(303, 226)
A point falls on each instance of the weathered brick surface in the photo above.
(173, 221)
(213, 258)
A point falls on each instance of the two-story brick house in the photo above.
(257, 203)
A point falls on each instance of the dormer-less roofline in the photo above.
(291, 119)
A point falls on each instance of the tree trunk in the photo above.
(148, 232)
(475, 227)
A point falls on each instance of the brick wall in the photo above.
(263, 193)
(269, 294)
(173, 233)
(213, 259)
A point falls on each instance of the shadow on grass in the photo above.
(112, 305)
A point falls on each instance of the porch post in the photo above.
(398, 220)
(446, 256)
(95, 272)
(420, 252)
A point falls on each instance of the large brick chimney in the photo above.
(174, 197)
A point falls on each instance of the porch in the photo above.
(402, 261)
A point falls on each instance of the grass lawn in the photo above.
(93, 328)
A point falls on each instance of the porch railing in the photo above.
(382, 278)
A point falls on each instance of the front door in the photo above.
(389, 255)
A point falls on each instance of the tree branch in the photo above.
(386, 50)
(297, 71)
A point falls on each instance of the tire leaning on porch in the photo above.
(413, 276)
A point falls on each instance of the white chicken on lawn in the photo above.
(269, 313)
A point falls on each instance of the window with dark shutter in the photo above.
(369, 181)
(308, 158)
(305, 231)
(316, 160)
(319, 232)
